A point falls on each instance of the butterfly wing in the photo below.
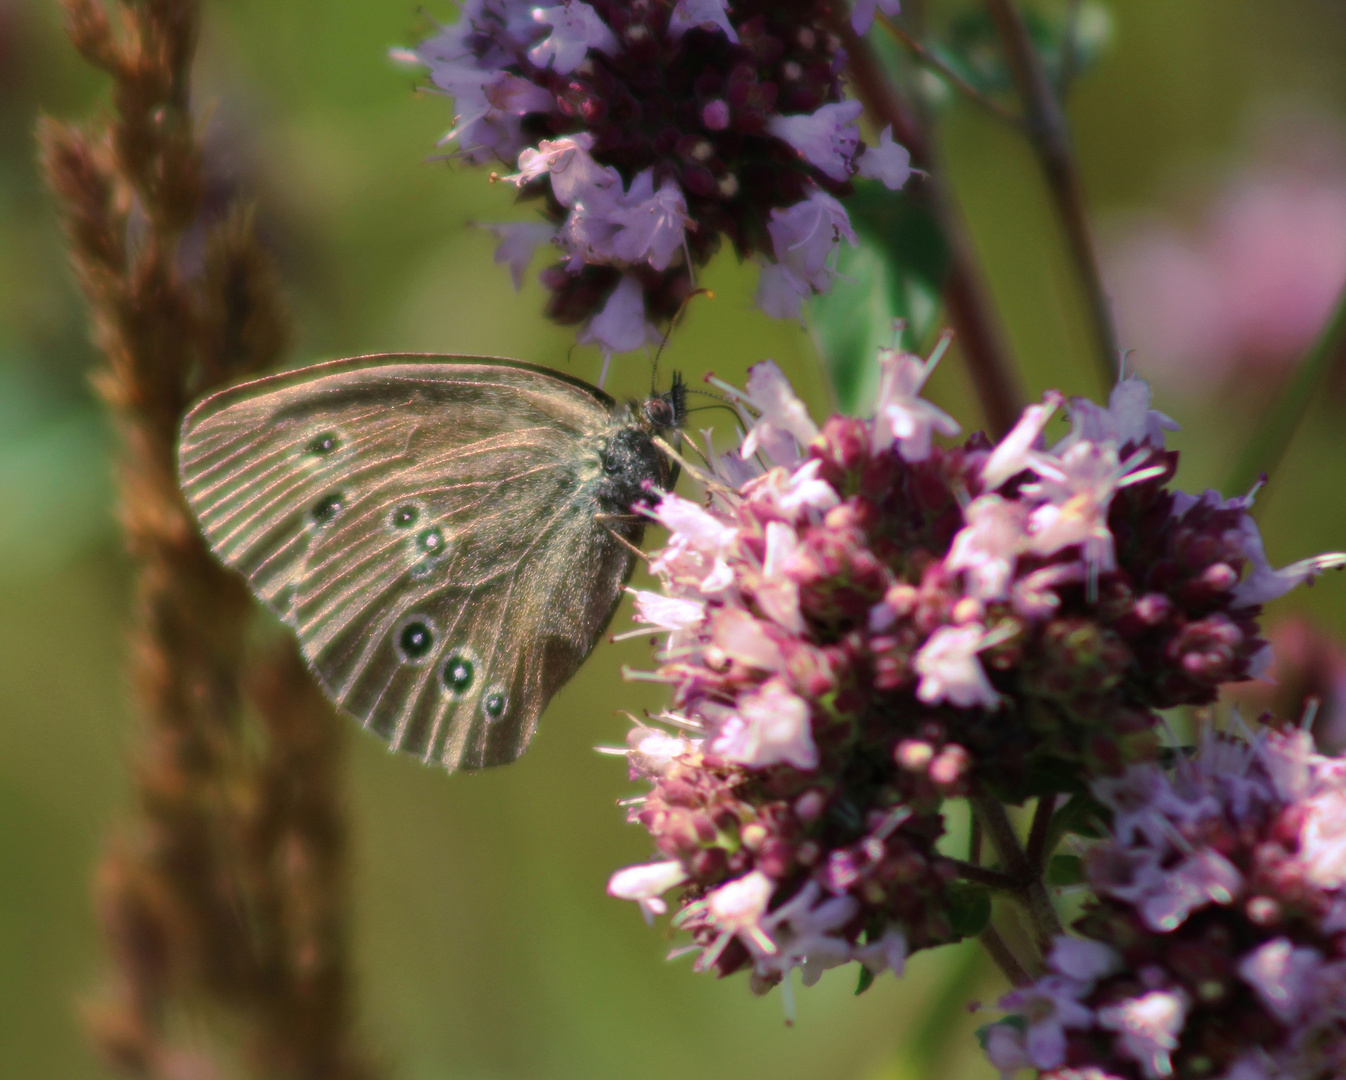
(428, 526)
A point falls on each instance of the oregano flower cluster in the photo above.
(1214, 943)
(863, 623)
(650, 131)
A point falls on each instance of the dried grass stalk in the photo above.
(224, 905)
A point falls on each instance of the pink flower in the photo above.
(825, 138)
(1284, 976)
(1322, 838)
(770, 727)
(900, 413)
(778, 594)
(988, 546)
(1013, 454)
(1245, 293)
(575, 29)
(736, 910)
(1148, 1028)
(668, 612)
(783, 423)
(950, 671)
(646, 884)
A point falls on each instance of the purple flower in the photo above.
(705, 14)
(652, 224)
(566, 162)
(621, 325)
(575, 29)
(888, 162)
(862, 12)
(1049, 1006)
(804, 238)
(826, 139)
(519, 240)
(1083, 960)
(664, 137)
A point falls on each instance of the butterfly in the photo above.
(448, 536)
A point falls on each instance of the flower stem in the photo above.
(1031, 891)
(1037, 852)
(1050, 135)
(1005, 960)
(949, 75)
(979, 337)
(984, 875)
(1277, 428)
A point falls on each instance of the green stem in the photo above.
(1032, 892)
(949, 75)
(1276, 430)
(979, 338)
(1004, 958)
(1050, 135)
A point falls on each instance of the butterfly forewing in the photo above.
(429, 528)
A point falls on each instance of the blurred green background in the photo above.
(485, 945)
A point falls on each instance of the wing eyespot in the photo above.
(415, 639)
(429, 548)
(328, 508)
(324, 444)
(321, 448)
(405, 516)
(494, 703)
(458, 673)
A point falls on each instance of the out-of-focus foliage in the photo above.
(486, 945)
(895, 272)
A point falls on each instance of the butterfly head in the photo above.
(667, 411)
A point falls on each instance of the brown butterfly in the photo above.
(448, 535)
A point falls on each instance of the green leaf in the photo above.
(969, 908)
(896, 272)
(1065, 870)
(1082, 815)
(971, 44)
(866, 981)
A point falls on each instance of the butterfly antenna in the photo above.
(654, 373)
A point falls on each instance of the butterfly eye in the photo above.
(458, 673)
(404, 517)
(322, 445)
(328, 507)
(493, 704)
(659, 413)
(416, 639)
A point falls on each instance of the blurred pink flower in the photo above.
(1246, 291)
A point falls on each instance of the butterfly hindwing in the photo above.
(429, 528)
